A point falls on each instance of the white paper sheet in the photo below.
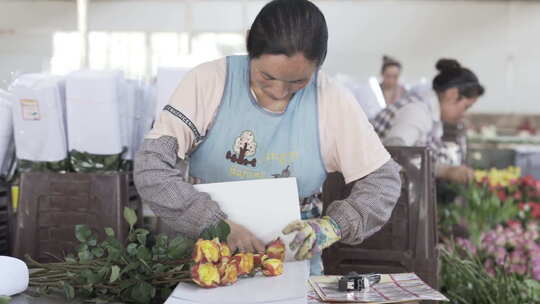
(263, 206)
(13, 276)
(289, 288)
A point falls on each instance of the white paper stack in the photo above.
(145, 105)
(6, 132)
(168, 80)
(39, 117)
(128, 102)
(93, 111)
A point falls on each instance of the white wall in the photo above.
(500, 40)
(26, 30)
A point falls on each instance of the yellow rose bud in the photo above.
(272, 267)
(206, 251)
(244, 263)
(230, 274)
(205, 275)
(258, 259)
(276, 249)
(223, 265)
(225, 250)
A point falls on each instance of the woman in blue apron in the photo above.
(270, 114)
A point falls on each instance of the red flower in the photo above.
(513, 224)
(502, 195)
(535, 209)
(528, 181)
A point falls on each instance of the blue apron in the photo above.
(247, 141)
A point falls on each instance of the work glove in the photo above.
(312, 236)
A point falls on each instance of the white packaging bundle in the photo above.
(14, 276)
(144, 113)
(127, 116)
(6, 132)
(168, 80)
(39, 117)
(93, 112)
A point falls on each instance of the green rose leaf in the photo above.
(98, 252)
(130, 216)
(115, 273)
(180, 247)
(70, 259)
(221, 230)
(109, 232)
(132, 249)
(82, 233)
(85, 256)
(69, 291)
(5, 299)
(92, 241)
(143, 292)
(143, 253)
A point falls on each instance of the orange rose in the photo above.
(225, 250)
(230, 274)
(272, 267)
(258, 259)
(205, 275)
(244, 263)
(276, 249)
(206, 251)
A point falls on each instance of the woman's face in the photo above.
(391, 76)
(278, 77)
(454, 106)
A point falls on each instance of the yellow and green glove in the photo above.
(312, 236)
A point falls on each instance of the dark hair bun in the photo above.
(447, 64)
(389, 60)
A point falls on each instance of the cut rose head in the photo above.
(230, 274)
(244, 263)
(276, 249)
(206, 251)
(225, 250)
(205, 275)
(272, 267)
(258, 259)
(222, 265)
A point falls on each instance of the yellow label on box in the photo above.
(30, 109)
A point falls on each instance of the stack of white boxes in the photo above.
(7, 146)
(38, 113)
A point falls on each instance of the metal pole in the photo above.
(82, 26)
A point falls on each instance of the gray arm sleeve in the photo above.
(369, 205)
(160, 182)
